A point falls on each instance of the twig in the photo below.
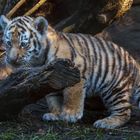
(31, 11)
(11, 12)
(1, 54)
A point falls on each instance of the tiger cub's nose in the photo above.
(13, 55)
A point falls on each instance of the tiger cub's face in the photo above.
(25, 41)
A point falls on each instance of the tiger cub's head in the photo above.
(25, 41)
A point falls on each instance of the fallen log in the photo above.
(27, 85)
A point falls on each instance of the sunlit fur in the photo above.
(106, 70)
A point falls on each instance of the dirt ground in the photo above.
(32, 128)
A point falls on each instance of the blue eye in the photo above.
(9, 43)
(24, 44)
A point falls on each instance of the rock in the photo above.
(126, 32)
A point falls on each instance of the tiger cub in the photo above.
(106, 69)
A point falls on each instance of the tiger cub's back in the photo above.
(102, 62)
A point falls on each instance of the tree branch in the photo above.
(15, 8)
(26, 86)
(31, 11)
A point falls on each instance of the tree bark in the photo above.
(93, 16)
(26, 86)
(85, 16)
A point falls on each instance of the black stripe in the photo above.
(56, 50)
(39, 45)
(13, 23)
(99, 65)
(118, 95)
(124, 114)
(113, 60)
(11, 26)
(93, 63)
(73, 45)
(115, 81)
(105, 60)
(95, 58)
(21, 26)
(86, 46)
(27, 19)
(119, 101)
(35, 44)
(121, 109)
(115, 91)
(80, 45)
(23, 23)
(47, 50)
(66, 37)
(81, 55)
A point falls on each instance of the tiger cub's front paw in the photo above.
(71, 115)
(50, 117)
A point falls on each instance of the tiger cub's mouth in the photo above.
(14, 63)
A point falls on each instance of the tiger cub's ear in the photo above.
(41, 24)
(3, 22)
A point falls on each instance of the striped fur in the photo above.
(106, 69)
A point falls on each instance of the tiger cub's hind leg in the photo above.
(119, 107)
(54, 102)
